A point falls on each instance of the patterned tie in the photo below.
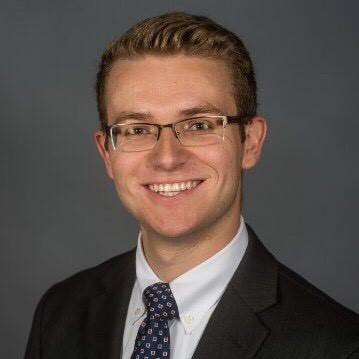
(153, 337)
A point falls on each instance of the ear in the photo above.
(255, 134)
(100, 139)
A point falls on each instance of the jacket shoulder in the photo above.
(64, 310)
(305, 314)
(307, 296)
(92, 280)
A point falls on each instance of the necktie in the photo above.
(153, 337)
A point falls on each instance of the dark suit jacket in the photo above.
(267, 311)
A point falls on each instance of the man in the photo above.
(177, 102)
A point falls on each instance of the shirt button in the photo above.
(138, 311)
(189, 319)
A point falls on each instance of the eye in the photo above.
(199, 124)
(137, 130)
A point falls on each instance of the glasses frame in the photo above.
(225, 121)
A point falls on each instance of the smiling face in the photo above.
(172, 190)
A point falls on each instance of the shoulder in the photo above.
(294, 310)
(311, 300)
(305, 313)
(92, 281)
(66, 308)
(292, 292)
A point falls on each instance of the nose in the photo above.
(168, 153)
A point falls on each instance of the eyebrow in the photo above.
(205, 109)
(128, 115)
(187, 112)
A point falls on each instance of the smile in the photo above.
(172, 189)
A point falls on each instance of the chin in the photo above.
(168, 230)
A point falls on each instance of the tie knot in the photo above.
(160, 302)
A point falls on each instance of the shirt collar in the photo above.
(199, 289)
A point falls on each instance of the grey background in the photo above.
(59, 212)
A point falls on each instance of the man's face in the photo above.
(162, 90)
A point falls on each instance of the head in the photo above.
(182, 33)
(164, 70)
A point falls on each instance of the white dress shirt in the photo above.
(197, 293)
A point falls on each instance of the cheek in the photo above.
(225, 160)
(123, 170)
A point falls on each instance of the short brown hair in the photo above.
(192, 35)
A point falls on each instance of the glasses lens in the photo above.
(131, 137)
(200, 131)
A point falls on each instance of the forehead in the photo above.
(166, 84)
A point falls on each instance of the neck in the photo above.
(171, 257)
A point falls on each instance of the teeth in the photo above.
(168, 194)
(172, 189)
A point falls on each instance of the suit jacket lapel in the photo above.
(235, 330)
(107, 311)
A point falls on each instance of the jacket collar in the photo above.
(235, 329)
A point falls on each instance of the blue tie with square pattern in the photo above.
(153, 337)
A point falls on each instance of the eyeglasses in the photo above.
(191, 132)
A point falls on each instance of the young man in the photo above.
(177, 102)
